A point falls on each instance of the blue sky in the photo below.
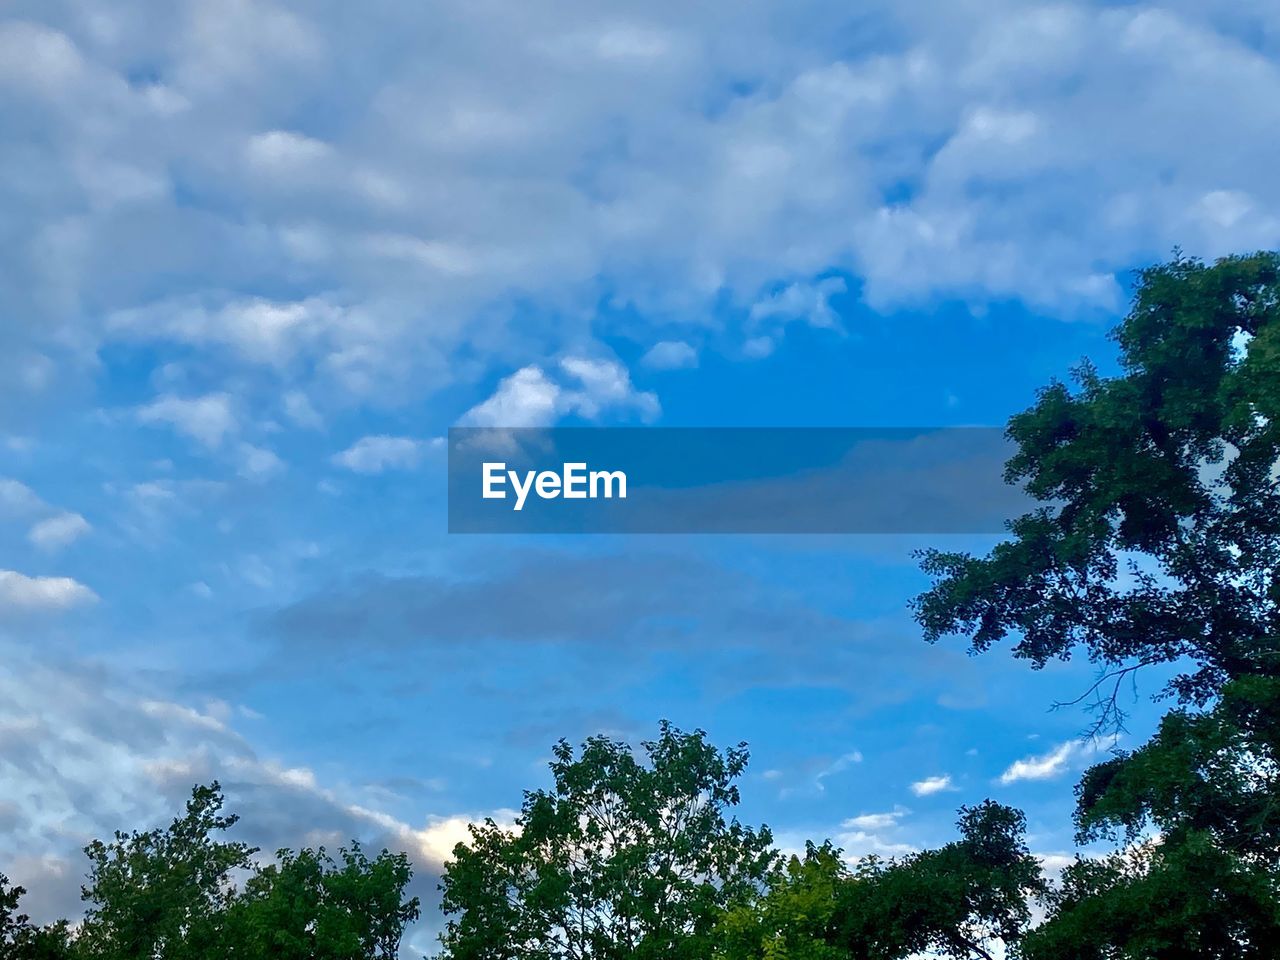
(259, 257)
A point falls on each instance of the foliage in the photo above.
(307, 906)
(164, 893)
(20, 939)
(621, 858)
(170, 894)
(1170, 465)
(795, 916)
(1183, 900)
(1173, 467)
(951, 902)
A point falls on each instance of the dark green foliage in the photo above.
(19, 939)
(1188, 900)
(1214, 773)
(170, 894)
(1172, 461)
(164, 893)
(306, 906)
(955, 901)
(621, 858)
(1173, 469)
(795, 916)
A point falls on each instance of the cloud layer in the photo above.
(179, 184)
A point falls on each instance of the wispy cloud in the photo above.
(59, 530)
(379, 453)
(22, 593)
(931, 785)
(1054, 763)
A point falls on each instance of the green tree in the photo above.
(1183, 900)
(957, 901)
(307, 906)
(12, 923)
(164, 894)
(1158, 544)
(1170, 466)
(621, 858)
(795, 917)
(22, 940)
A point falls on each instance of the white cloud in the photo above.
(258, 463)
(298, 408)
(207, 419)
(931, 785)
(260, 330)
(530, 398)
(17, 499)
(21, 593)
(1062, 758)
(670, 355)
(527, 398)
(810, 302)
(375, 454)
(876, 821)
(284, 152)
(88, 751)
(976, 157)
(58, 531)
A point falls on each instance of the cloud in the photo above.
(524, 399)
(376, 454)
(1062, 758)
(17, 499)
(931, 785)
(809, 302)
(829, 768)
(258, 463)
(53, 529)
(282, 152)
(589, 389)
(876, 821)
(58, 531)
(259, 330)
(21, 593)
(207, 419)
(670, 355)
(298, 408)
(372, 240)
(88, 751)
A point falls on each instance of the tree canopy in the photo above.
(620, 858)
(171, 894)
(1158, 544)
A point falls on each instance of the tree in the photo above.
(20, 939)
(169, 894)
(795, 916)
(955, 901)
(12, 923)
(1170, 466)
(620, 858)
(1171, 469)
(164, 893)
(951, 902)
(1186, 900)
(307, 906)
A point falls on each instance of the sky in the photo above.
(257, 258)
